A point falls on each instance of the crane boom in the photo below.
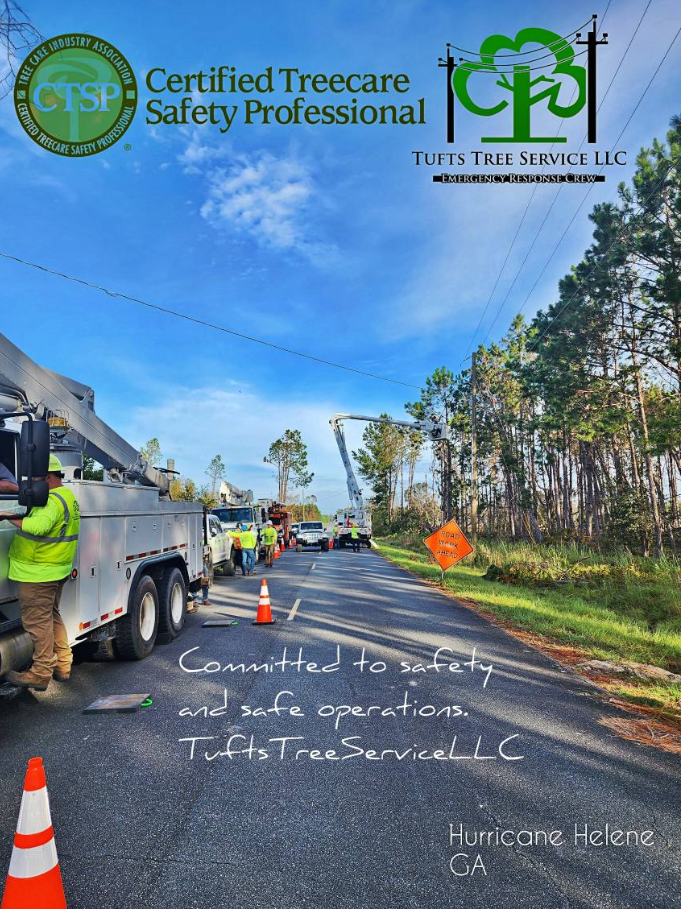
(354, 491)
(436, 431)
(50, 394)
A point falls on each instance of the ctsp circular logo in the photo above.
(75, 95)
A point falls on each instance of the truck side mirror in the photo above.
(34, 459)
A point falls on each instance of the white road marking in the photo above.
(314, 565)
(293, 611)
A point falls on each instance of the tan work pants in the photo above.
(39, 604)
(269, 553)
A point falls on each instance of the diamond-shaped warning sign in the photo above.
(448, 545)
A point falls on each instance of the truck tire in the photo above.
(172, 603)
(229, 567)
(136, 632)
(325, 546)
(299, 547)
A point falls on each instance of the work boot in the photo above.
(61, 675)
(28, 679)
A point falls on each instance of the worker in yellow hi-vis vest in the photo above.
(269, 538)
(354, 536)
(40, 560)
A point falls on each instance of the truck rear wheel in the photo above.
(229, 566)
(325, 546)
(299, 547)
(136, 632)
(172, 603)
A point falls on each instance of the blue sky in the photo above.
(323, 239)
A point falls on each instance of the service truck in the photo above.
(139, 553)
(230, 514)
(357, 514)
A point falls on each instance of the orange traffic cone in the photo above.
(34, 878)
(277, 553)
(264, 616)
(331, 543)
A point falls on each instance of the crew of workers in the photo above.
(40, 561)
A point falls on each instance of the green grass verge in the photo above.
(607, 619)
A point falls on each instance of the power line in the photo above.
(588, 192)
(491, 69)
(525, 53)
(626, 230)
(586, 195)
(203, 322)
(524, 215)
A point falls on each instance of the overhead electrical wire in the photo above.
(586, 195)
(525, 53)
(206, 324)
(588, 192)
(626, 231)
(491, 69)
(524, 215)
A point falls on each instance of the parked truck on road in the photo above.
(139, 552)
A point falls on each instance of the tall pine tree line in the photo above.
(578, 412)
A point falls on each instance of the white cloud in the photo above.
(195, 424)
(260, 195)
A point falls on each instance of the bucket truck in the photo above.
(139, 553)
(237, 507)
(357, 512)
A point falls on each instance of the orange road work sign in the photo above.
(448, 545)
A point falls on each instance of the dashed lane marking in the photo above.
(293, 611)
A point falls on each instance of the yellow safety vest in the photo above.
(269, 536)
(248, 539)
(44, 547)
(354, 533)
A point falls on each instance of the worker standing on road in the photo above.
(335, 536)
(356, 542)
(40, 560)
(269, 537)
(248, 543)
(236, 537)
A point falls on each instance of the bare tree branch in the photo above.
(17, 36)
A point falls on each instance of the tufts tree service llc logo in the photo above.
(75, 95)
(557, 67)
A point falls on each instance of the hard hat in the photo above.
(55, 465)
(269, 524)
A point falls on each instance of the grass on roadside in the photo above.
(617, 608)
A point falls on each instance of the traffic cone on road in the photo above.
(264, 616)
(331, 543)
(34, 878)
(277, 553)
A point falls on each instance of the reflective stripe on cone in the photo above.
(34, 878)
(264, 616)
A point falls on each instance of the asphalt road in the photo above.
(138, 822)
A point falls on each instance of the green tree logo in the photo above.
(75, 95)
(564, 85)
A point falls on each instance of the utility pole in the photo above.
(474, 453)
(447, 63)
(591, 43)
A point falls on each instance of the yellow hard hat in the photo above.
(54, 465)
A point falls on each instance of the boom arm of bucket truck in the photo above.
(231, 495)
(69, 406)
(435, 431)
